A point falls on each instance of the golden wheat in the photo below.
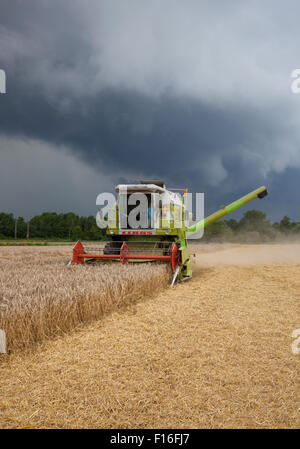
(40, 297)
(214, 352)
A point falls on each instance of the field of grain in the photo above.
(214, 352)
(41, 297)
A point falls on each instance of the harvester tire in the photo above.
(112, 248)
(175, 256)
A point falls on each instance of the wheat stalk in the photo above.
(40, 297)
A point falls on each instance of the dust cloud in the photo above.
(235, 254)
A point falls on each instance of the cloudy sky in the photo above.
(197, 93)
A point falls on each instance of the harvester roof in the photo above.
(141, 188)
(149, 188)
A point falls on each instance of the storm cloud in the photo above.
(196, 93)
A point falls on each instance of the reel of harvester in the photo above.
(159, 244)
(128, 251)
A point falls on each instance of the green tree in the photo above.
(21, 228)
(296, 228)
(70, 220)
(252, 220)
(232, 223)
(77, 233)
(285, 225)
(256, 221)
(218, 232)
(7, 225)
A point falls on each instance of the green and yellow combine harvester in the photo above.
(166, 243)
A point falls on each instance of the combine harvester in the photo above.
(166, 243)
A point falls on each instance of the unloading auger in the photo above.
(166, 243)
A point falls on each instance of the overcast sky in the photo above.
(197, 93)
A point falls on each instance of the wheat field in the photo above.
(214, 352)
(41, 297)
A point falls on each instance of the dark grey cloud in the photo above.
(197, 94)
(37, 176)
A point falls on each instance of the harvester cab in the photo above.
(156, 231)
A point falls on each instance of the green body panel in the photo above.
(186, 270)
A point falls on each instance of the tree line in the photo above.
(252, 227)
(51, 225)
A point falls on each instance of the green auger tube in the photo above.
(261, 192)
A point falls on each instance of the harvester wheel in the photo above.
(112, 248)
(175, 256)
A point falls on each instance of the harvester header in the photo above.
(164, 243)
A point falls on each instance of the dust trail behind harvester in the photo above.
(234, 254)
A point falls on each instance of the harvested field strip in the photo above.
(40, 297)
(213, 352)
